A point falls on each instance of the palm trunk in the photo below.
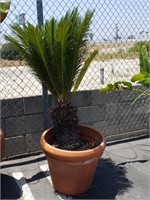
(65, 124)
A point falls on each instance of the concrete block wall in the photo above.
(113, 114)
(22, 123)
(122, 118)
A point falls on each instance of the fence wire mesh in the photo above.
(117, 30)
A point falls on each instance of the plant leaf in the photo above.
(138, 77)
(128, 84)
(56, 51)
(144, 59)
(84, 69)
(105, 89)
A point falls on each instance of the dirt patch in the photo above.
(11, 63)
(106, 52)
(111, 47)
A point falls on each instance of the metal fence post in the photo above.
(39, 5)
(102, 76)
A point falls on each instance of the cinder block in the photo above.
(106, 129)
(11, 107)
(102, 97)
(33, 105)
(34, 123)
(115, 120)
(111, 130)
(115, 111)
(15, 126)
(112, 111)
(82, 99)
(97, 97)
(24, 124)
(33, 142)
(15, 146)
(99, 125)
(51, 101)
(127, 135)
(141, 107)
(147, 102)
(128, 95)
(91, 114)
(124, 109)
(133, 123)
(2, 124)
(112, 97)
(148, 121)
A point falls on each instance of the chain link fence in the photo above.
(118, 28)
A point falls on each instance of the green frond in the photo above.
(144, 60)
(56, 52)
(84, 69)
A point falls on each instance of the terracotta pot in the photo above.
(72, 172)
(2, 144)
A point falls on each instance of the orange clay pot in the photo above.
(72, 172)
(2, 144)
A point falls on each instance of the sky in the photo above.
(130, 17)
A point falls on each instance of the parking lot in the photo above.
(122, 173)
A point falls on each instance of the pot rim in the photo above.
(73, 155)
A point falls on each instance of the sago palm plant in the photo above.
(58, 56)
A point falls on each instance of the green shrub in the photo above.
(137, 46)
(8, 52)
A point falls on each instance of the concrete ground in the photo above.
(123, 173)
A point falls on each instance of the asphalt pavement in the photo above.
(123, 173)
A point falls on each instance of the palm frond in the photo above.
(79, 38)
(28, 42)
(144, 60)
(84, 69)
(56, 52)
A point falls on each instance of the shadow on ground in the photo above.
(9, 188)
(109, 181)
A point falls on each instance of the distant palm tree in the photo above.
(58, 56)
